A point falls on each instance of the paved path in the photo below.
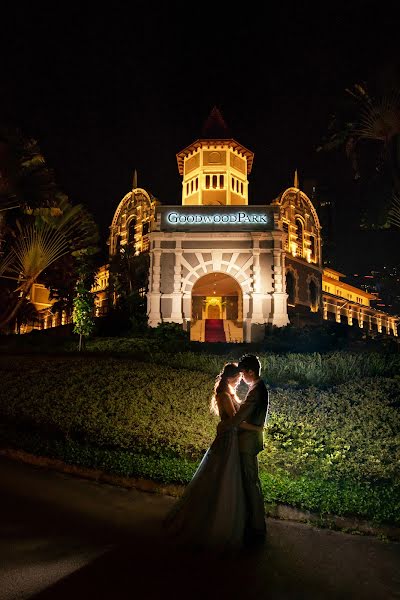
(66, 537)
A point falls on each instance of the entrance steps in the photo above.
(214, 330)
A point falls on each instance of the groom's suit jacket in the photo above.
(254, 410)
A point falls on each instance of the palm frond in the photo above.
(394, 212)
(37, 248)
(380, 121)
(6, 263)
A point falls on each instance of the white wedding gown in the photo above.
(211, 512)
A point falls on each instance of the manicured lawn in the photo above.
(329, 447)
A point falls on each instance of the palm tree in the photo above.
(47, 235)
(394, 212)
(370, 123)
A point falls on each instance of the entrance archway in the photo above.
(217, 309)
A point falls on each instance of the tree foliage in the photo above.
(83, 311)
(128, 284)
(366, 126)
(39, 225)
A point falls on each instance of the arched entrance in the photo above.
(217, 309)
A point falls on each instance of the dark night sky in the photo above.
(105, 92)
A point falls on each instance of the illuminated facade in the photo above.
(216, 260)
(100, 291)
(345, 303)
(132, 222)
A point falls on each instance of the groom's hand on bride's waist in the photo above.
(224, 426)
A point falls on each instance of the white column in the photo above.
(279, 297)
(379, 320)
(257, 314)
(187, 308)
(246, 319)
(176, 314)
(337, 309)
(154, 296)
(349, 316)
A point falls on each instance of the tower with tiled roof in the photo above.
(215, 167)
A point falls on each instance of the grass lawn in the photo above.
(332, 442)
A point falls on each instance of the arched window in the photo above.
(312, 247)
(313, 291)
(299, 237)
(290, 287)
(286, 231)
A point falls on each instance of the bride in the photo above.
(212, 510)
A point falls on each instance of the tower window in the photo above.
(207, 182)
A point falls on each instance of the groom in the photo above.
(254, 410)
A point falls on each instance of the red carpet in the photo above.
(214, 330)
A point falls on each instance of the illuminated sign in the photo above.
(211, 218)
(197, 219)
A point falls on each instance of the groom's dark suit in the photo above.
(254, 410)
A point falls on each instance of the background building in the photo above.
(225, 270)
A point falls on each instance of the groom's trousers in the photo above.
(254, 498)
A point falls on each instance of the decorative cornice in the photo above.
(211, 143)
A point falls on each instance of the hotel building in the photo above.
(224, 269)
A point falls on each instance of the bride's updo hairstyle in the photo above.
(222, 385)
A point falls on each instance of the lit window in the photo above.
(299, 235)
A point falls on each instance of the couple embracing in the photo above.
(222, 507)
